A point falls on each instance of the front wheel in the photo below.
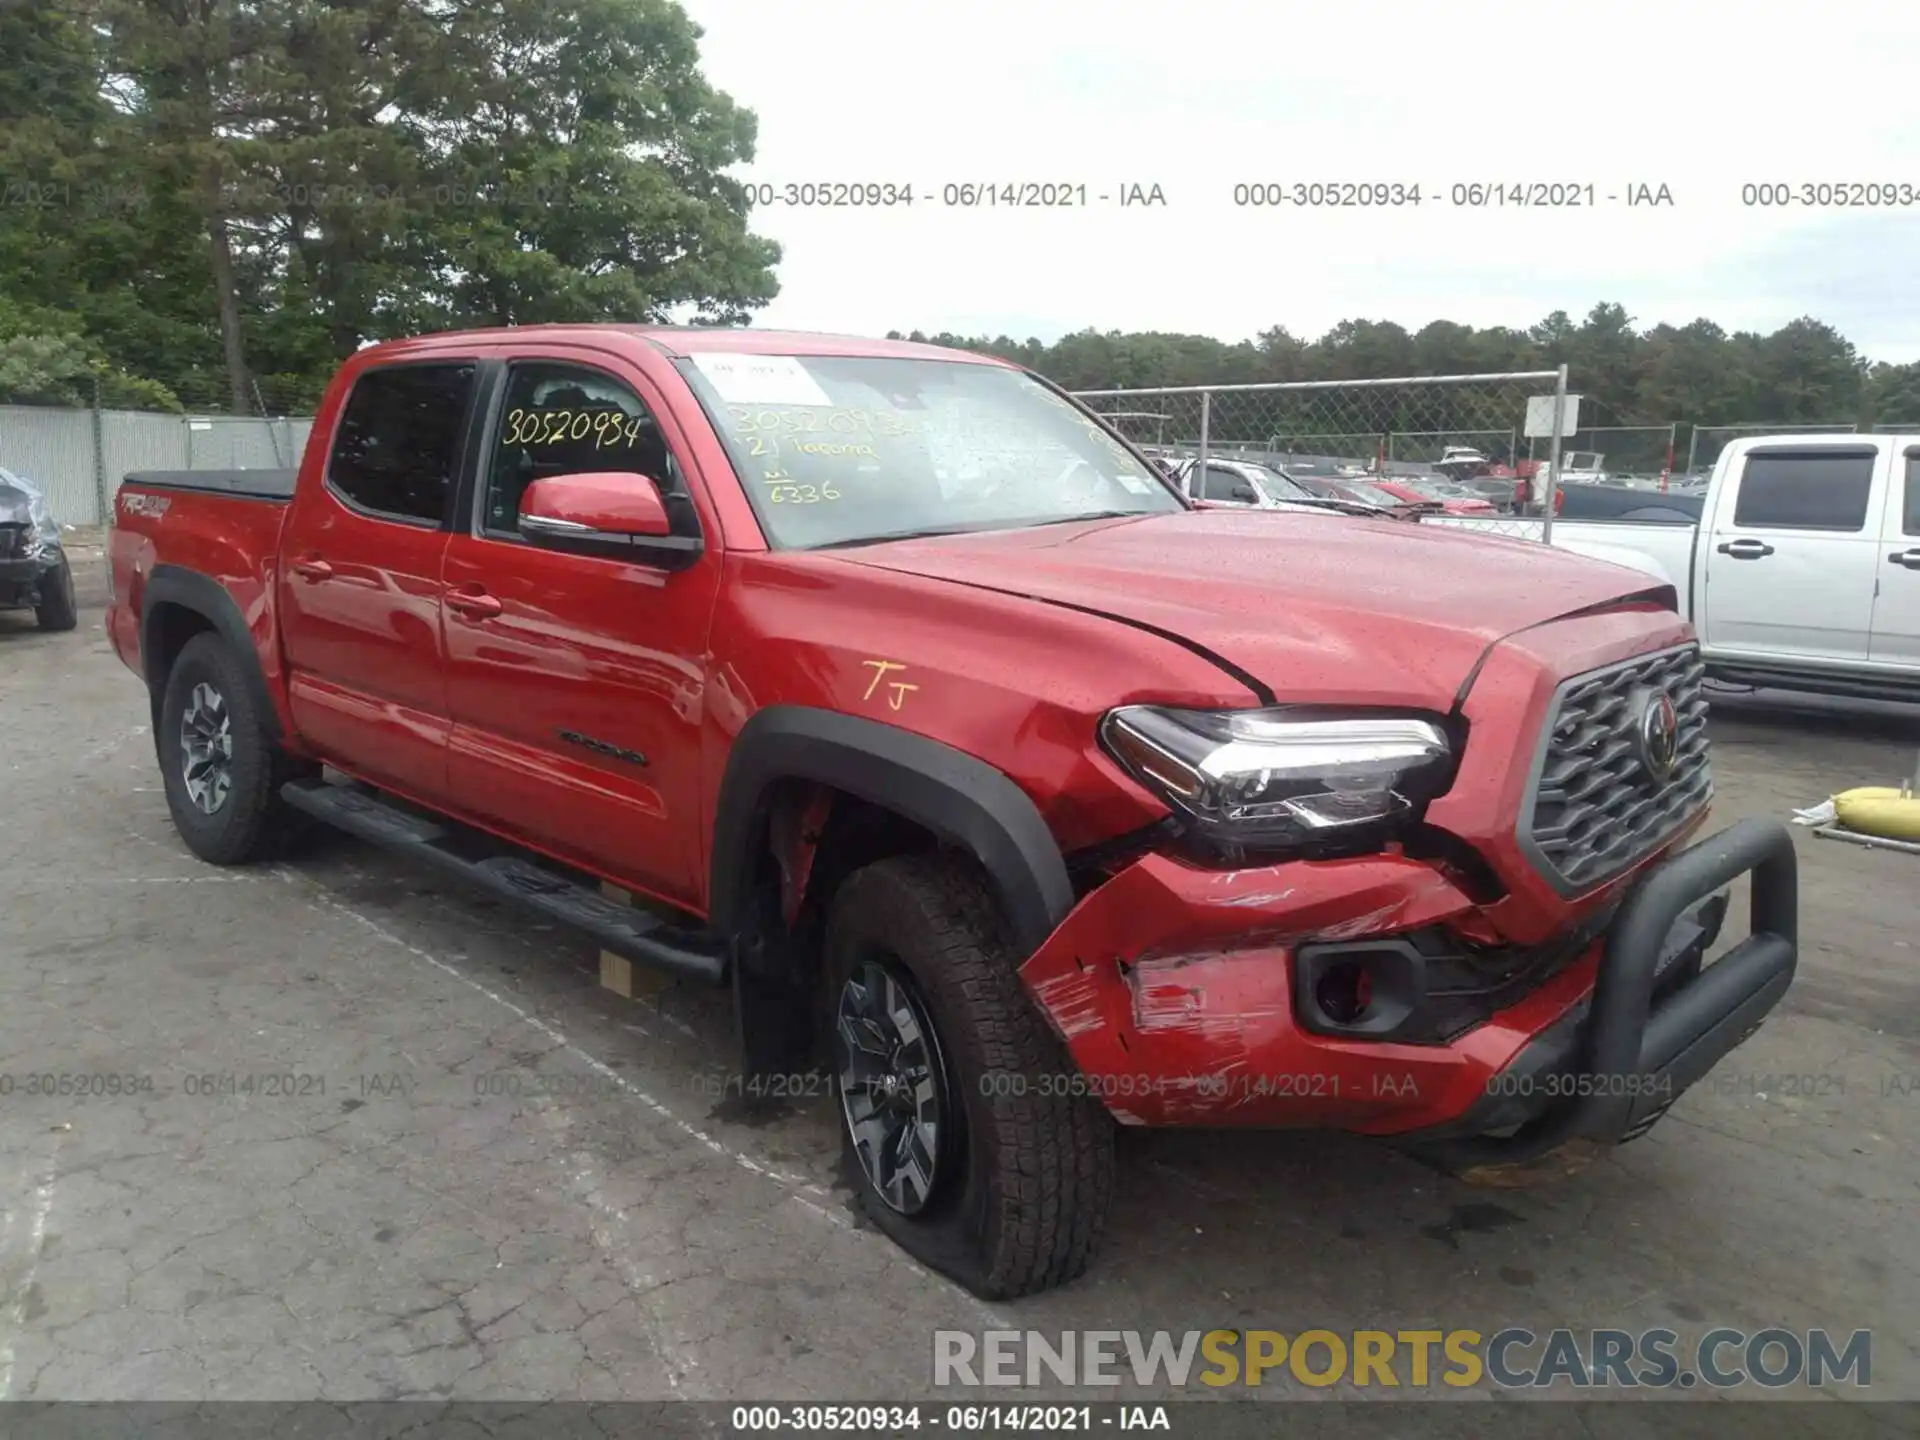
(57, 609)
(958, 1148)
(220, 767)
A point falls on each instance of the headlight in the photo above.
(1283, 779)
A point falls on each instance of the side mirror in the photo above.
(613, 513)
(1244, 494)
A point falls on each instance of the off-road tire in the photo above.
(1020, 1202)
(57, 610)
(253, 823)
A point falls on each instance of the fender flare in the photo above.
(962, 799)
(207, 598)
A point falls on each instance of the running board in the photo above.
(496, 867)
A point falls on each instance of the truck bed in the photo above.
(251, 484)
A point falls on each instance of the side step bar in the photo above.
(497, 867)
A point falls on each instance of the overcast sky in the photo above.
(1204, 94)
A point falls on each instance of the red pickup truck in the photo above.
(923, 712)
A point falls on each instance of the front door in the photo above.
(575, 683)
(359, 601)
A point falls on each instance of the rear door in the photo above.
(1896, 608)
(1792, 552)
(360, 596)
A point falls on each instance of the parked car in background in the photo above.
(1364, 492)
(934, 725)
(1800, 568)
(1463, 463)
(1246, 482)
(35, 573)
(1453, 499)
(1584, 467)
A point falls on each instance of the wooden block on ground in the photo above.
(621, 975)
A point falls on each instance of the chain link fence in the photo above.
(1427, 447)
(79, 456)
(1350, 429)
(1635, 454)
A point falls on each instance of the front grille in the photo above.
(1595, 807)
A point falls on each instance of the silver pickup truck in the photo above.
(1803, 571)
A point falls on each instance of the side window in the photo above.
(1221, 485)
(560, 419)
(398, 444)
(1911, 526)
(1810, 490)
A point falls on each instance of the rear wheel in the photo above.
(961, 1134)
(57, 610)
(219, 764)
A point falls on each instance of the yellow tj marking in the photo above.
(897, 688)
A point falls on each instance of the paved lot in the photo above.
(494, 1180)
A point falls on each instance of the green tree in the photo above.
(1894, 395)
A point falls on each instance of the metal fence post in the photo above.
(1553, 457)
(1206, 414)
(103, 515)
(1693, 443)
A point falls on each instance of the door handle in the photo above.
(312, 567)
(1909, 558)
(474, 604)
(1746, 549)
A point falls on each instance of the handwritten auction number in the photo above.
(548, 427)
(749, 421)
(797, 494)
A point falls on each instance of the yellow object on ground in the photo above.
(1879, 810)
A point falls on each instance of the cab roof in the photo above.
(680, 341)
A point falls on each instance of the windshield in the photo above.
(836, 450)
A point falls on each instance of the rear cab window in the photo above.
(1824, 490)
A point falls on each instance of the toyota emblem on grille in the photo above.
(1658, 735)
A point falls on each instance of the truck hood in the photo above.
(24, 503)
(1316, 608)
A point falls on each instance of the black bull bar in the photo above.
(1613, 1065)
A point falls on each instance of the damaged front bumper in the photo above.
(1184, 997)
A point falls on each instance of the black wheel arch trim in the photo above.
(209, 599)
(960, 798)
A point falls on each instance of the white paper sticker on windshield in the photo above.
(760, 379)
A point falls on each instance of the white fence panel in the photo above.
(54, 449)
(57, 449)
